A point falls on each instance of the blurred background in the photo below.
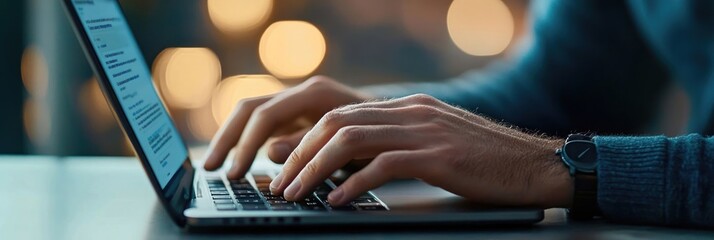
(208, 54)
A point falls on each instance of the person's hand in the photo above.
(255, 120)
(421, 137)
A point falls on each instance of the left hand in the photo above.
(421, 137)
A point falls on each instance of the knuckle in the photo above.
(333, 118)
(295, 157)
(318, 81)
(244, 104)
(351, 135)
(310, 170)
(424, 99)
(262, 112)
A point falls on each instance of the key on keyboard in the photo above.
(220, 196)
(250, 198)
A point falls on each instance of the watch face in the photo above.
(582, 155)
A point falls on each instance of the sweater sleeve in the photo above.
(657, 180)
(579, 52)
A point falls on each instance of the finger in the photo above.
(462, 113)
(478, 119)
(228, 135)
(416, 99)
(333, 121)
(281, 148)
(297, 125)
(385, 167)
(349, 143)
(423, 99)
(265, 120)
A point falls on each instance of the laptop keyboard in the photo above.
(243, 196)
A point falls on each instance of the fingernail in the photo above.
(293, 189)
(276, 182)
(282, 150)
(335, 196)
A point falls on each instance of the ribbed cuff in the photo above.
(631, 181)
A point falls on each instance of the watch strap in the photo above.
(585, 204)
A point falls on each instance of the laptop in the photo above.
(197, 199)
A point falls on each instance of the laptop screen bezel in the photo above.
(178, 192)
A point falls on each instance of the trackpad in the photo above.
(417, 196)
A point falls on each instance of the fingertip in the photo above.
(235, 173)
(275, 185)
(210, 165)
(213, 160)
(278, 152)
(336, 197)
(292, 192)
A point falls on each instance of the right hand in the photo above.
(255, 120)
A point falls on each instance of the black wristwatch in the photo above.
(580, 155)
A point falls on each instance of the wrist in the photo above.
(555, 188)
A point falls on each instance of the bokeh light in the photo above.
(187, 76)
(34, 72)
(480, 27)
(95, 107)
(292, 49)
(158, 69)
(235, 16)
(233, 89)
(36, 121)
(201, 123)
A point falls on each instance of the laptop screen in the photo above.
(130, 79)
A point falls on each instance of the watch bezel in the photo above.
(579, 166)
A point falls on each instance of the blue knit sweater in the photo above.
(600, 65)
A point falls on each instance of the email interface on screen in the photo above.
(130, 79)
